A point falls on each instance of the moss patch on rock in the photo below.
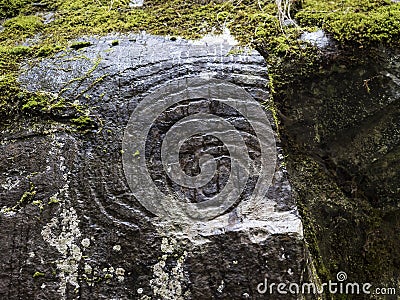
(257, 23)
(11, 8)
(354, 22)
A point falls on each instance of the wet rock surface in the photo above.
(71, 227)
(340, 128)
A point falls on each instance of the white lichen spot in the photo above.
(162, 262)
(120, 271)
(135, 3)
(117, 248)
(167, 247)
(168, 284)
(85, 243)
(110, 272)
(10, 184)
(140, 291)
(31, 254)
(221, 287)
(7, 211)
(88, 269)
(63, 233)
(225, 38)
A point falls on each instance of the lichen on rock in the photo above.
(167, 284)
(63, 233)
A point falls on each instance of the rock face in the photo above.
(340, 128)
(70, 224)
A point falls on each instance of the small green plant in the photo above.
(38, 274)
(23, 25)
(82, 122)
(11, 8)
(35, 102)
(80, 45)
(53, 200)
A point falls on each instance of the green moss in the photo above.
(80, 45)
(39, 204)
(252, 22)
(8, 90)
(354, 22)
(15, 103)
(11, 8)
(38, 274)
(19, 50)
(35, 102)
(40, 103)
(47, 50)
(22, 26)
(174, 18)
(53, 200)
(27, 196)
(83, 122)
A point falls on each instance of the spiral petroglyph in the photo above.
(127, 251)
(234, 159)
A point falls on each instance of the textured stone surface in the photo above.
(340, 128)
(83, 233)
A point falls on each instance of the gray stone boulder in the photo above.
(71, 226)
